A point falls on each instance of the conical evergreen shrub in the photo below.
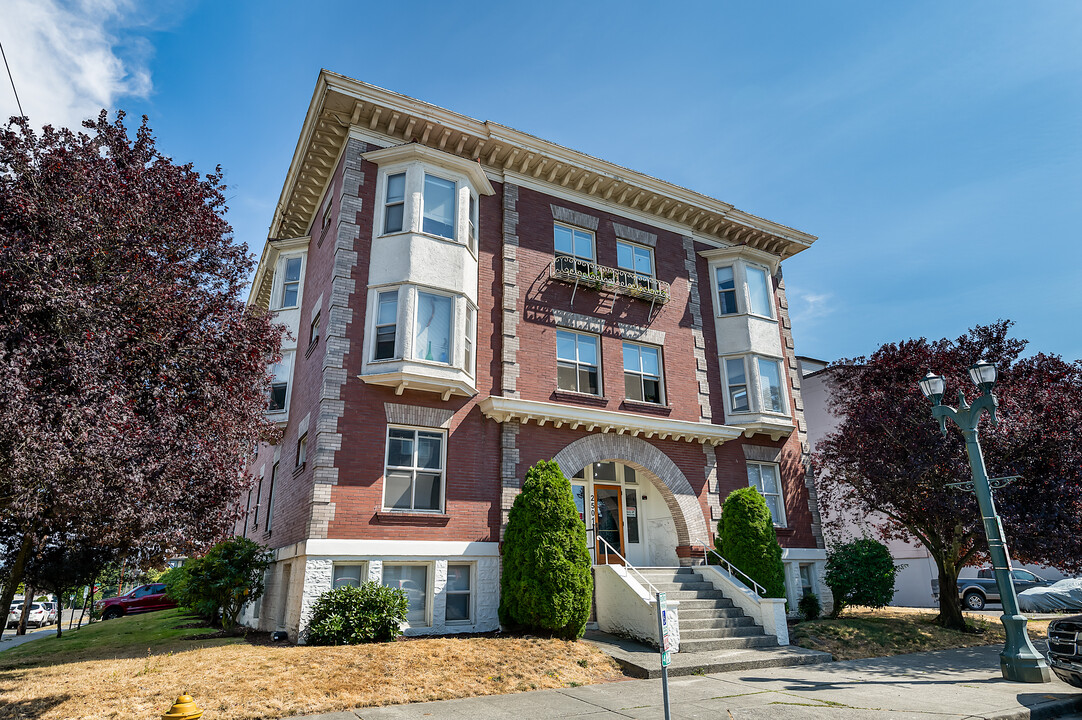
(546, 585)
(746, 538)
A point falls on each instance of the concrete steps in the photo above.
(715, 635)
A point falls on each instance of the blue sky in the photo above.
(935, 148)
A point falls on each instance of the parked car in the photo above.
(145, 598)
(1065, 649)
(1062, 596)
(50, 612)
(981, 590)
(37, 617)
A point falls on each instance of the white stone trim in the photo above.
(502, 409)
(637, 333)
(803, 554)
(417, 416)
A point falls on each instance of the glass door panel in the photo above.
(609, 523)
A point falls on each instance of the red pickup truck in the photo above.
(145, 598)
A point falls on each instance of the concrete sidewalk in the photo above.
(943, 685)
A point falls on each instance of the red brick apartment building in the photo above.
(465, 300)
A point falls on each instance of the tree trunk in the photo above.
(950, 607)
(16, 577)
(59, 613)
(28, 600)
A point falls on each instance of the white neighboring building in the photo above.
(913, 586)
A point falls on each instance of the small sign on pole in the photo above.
(666, 654)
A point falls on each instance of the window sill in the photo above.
(585, 398)
(642, 406)
(299, 469)
(408, 517)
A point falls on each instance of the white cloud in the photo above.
(67, 60)
(806, 307)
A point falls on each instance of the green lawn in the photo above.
(124, 637)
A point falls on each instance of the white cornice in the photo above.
(341, 106)
(776, 429)
(502, 409)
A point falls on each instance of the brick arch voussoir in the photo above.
(683, 504)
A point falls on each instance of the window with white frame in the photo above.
(414, 469)
(737, 383)
(759, 295)
(807, 579)
(726, 288)
(413, 579)
(770, 389)
(642, 373)
(291, 282)
(351, 574)
(469, 338)
(573, 242)
(394, 206)
(432, 336)
(458, 608)
(473, 223)
(578, 366)
(764, 478)
(439, 207)
(386, 325)
(635, 258)
(279, 389)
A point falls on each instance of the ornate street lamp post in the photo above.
(1019, 660)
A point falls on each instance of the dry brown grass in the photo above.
(240, 680)
(865, 633)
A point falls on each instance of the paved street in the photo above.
(949, 684)
(11, 640)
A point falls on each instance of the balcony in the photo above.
(583, 272)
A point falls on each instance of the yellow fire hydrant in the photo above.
(184, 709)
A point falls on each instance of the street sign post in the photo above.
(664, 644)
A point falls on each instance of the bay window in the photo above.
(726, 283)
(291, 282)
(770, 385)
(386, 325)
(759, 295)
(432, 339)
(738, 385)
(439, 207)
(395, 203)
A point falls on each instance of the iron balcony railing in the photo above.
(583, 272)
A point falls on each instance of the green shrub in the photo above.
(546, 585)
(746, 539)
(809, 607)
(219, 584)
(861, 572)
(353, 615)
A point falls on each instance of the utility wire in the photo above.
(17, 102)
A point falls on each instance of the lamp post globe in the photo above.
(932, 386)
(983, 374)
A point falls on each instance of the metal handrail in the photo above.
(733, 569)
(628, 565)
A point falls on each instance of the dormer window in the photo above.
(439, 207)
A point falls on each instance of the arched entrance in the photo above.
(600, 462)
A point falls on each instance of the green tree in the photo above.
(746, 539)
(546, 585)
(860, 572)
(227, 577)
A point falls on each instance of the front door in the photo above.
(608, 521)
